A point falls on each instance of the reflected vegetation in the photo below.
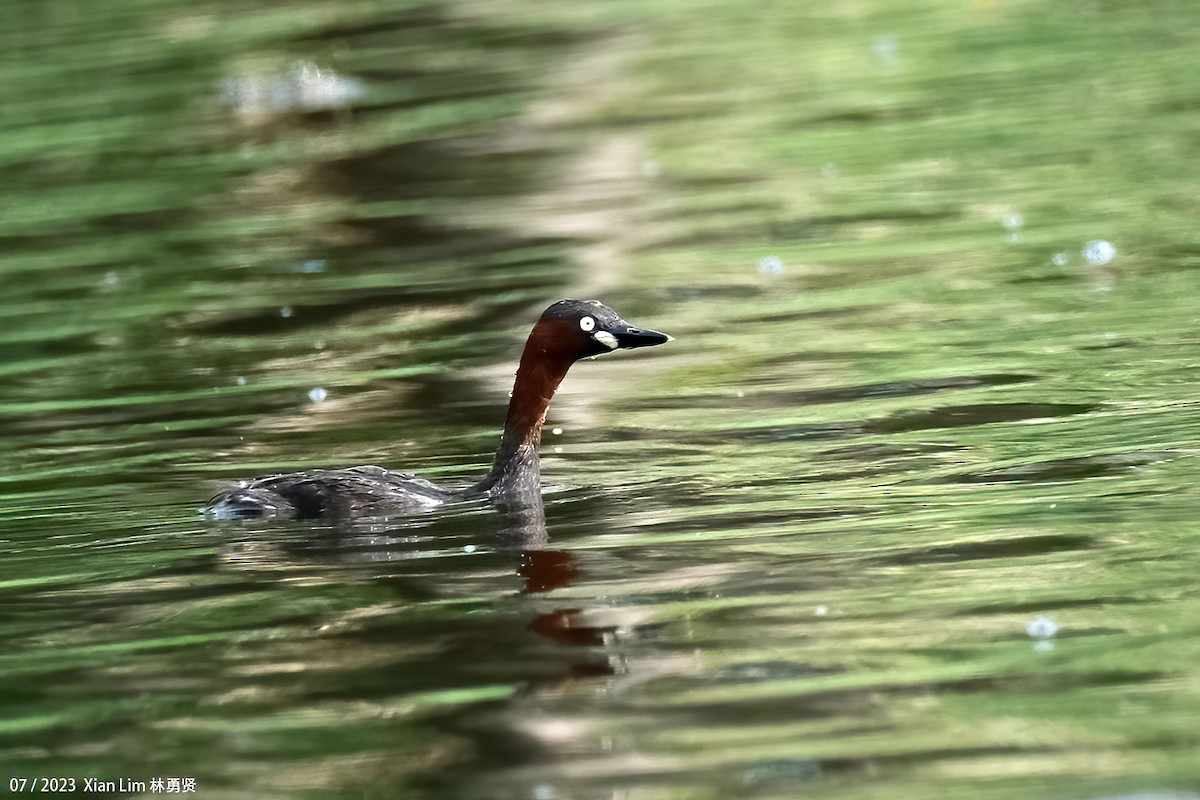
(907, 511)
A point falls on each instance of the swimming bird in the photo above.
(566, 332)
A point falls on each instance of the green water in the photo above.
(799, 552)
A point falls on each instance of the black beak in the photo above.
(629, 337)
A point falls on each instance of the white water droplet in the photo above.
(469, 548)
(285, 312)
(558, 449)
(240, 380)
(1099, 252)
(317, 395)
(886, 50)
(1013, 222)
(771, 265)
(821, 611)
(1041, 628)
(556, 431)
(1060, 259)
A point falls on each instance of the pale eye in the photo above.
(587, 323)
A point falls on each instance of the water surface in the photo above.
(905, 511)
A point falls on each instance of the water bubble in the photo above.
(886, 50)
(317, 395)
(556, 431)
(770, 265)
(558, 449)
(111, 278)
(1041, 628)
(1099, 252)
(1060, 259)
(1014, 223)
(469, 548)
(240, 380)
(285, 312)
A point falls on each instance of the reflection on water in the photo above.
(304, 87)
(906, 511)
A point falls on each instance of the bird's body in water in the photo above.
(566, 332)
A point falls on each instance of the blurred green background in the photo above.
(905, 511)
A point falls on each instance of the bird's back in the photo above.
(334, 493)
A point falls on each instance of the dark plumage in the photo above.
(566, 332)
(332, 492)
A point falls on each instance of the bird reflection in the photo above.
(429, 549)
(523, 530)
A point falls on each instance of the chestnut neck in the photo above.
(516, 470)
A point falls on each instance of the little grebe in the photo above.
(566, 332)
